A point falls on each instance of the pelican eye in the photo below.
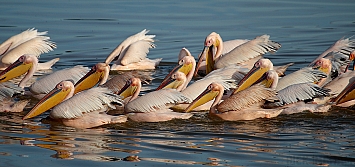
(257, 64)
(60, 85)
(22, 58)
(209, 87)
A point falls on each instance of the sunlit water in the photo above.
(86, 32)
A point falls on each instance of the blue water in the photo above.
(87, 31)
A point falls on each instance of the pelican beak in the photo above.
(346, 95)
(208, 54)
(171, 83)
(54, 97)
(249, 79)
(127, 90)
(264, 80)
(97, 75)
(203, 98)
(15, 69)
(351, 58)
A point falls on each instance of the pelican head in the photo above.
(213, 90)
(131, 88)
(62, 91)
(97, 75)
(324, 65)
(25, 63)
(186, 66)
(269, 79)
(176, 81)
(258, 70)
(213, 47)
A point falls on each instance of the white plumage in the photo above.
(132, 53)
(47, 83)
(27, 42)
(248, 50)
(97, 98)
(153, 101)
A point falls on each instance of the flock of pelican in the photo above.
(230, 79)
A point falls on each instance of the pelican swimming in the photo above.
(292, 89)
(227, 76)
(153, 106)
(27, 42)
(303, 75)
(28, 64)
(245, 105)
(250, 50)
(336, 86)
(82, 110)
(131, 54)
(186, 65)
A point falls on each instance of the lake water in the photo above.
(87, 31)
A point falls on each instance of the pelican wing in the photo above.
(231, 44)
(93, 99)
(246, 98)
(232, 71)
(18, 39)
(251, 49)
(156, 100)
(304, 75)
(8, 89)
(35, 46)
(47, 83)
(117, 52)
(300, 92)
(344, 46)
(136, 52)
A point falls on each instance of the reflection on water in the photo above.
(86, 32)
(305, 139)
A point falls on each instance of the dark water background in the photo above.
(87, 31)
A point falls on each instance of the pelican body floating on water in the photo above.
(86, 109)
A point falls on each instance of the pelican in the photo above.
(153, 106)
(344, 46)
(8, 104)
(227, 76)
(218, 47)
(186, 65)
(131, 54)
(27, 42)
(241, 106)
(250, 50)
(98, 75)
(332, 66)
(28, 64)
(292, 98)
(336, 86)
(82, 110)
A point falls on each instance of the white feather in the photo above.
(251, 49)
(47, 83)
(93, 99)
(152, 101)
